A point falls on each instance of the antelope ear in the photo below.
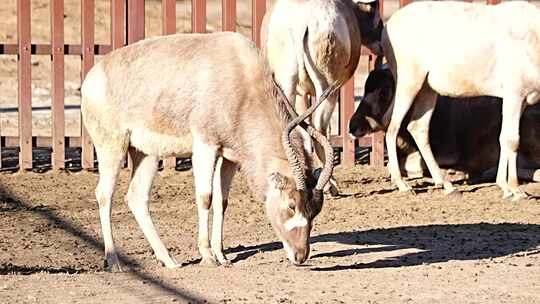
(278, 181)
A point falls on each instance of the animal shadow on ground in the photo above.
(433, 243)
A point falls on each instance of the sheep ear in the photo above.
(278, 181)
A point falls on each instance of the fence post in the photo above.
(118, 23)
(25, 84)
(258, 8)
(402, 3)
(228, 15)
(347, 110)
(135, 20)
(57, 84)
(87, 57)
(198, 16)
(168, 12)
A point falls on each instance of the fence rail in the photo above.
(128, 26)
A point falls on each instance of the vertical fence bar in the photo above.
(87, 57)
(57, 84)
(25, 84)
(347, 110)
(118, 23)
(402, 3)
(135, 20)
(168, 10)
(258, 9)
(198, 16)
(169, 27)
(228, 15)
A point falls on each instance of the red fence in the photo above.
(127, 26)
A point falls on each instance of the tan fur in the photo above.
(209, 95)
(330, 56)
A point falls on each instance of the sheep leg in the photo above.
(419, 129)
(110, 162)
(513, 107)
(223, 176)
(204, 159)
(144, 169)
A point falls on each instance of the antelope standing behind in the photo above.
(308, 64)
(212, 97)
(462, 49)
(458, 142)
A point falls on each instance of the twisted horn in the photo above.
(314, 133)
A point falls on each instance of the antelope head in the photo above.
(293, 203)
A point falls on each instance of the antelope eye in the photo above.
(291, 207)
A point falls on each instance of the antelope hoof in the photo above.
(113, 267)
(169, 263)
(226, 264)
(403, 187)
(454, 193)
(518, 195)
(208, 262)
(506, 193)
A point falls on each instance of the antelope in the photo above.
(210, 96)
(308, 64)
(458, 142)
(459, 50)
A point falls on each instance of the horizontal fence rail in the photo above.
(127, 25)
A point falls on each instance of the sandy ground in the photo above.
(372, 245)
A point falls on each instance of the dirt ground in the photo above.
(372, 245)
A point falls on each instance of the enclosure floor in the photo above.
(373, 245)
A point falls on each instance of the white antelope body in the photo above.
(307, 64)
(462, 50)
(205, 95)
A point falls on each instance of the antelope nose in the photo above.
(300, 257)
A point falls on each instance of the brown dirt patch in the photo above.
(374, 245)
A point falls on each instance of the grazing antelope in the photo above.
(461, 49)
(210, 96)
(457, 140)
(308, 64)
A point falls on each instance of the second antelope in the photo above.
(326, 56)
